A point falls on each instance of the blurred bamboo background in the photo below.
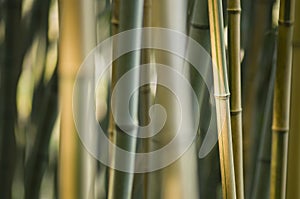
(255, 46)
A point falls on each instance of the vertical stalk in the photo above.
(178, 180)
(234, 12)
(222, 98)
(261, 181)
(145, 96)
(208, 167)
(87, 161)
(253, 76)
(111, 124)
(10, 71)
(77, 38)
(121, 183)
(293, 172)
(281, 106)
(70, 58)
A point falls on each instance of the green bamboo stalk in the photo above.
(145, 96)
(111, 124)
(254, 76)
(178, 180)
(208, 167)
(261, 182)
(293, 172)
(234, 12)
(281, 106)
(222, 98)
(10, 71)
(121, 183)
(87, 161)
(45, 96)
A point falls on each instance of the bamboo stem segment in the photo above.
(293, 172)
(281, 107)
(222, 98)
(234, 12)
(121, 183)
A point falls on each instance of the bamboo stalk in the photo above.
(10, 71)
(69, 61)
(208, 167)
(261, 182)
(77, 38)
(178, 180)
(234, 12)
(293, 172)
(253, 77)
(121, 183)
(222, 98)
(111, 123)
(145, 96)
(281, 106)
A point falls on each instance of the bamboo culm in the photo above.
(121, 183)
(234, 13)
(293, 171)
(281, 104)
(222, 98)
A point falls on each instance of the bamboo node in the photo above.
(222, 96)
(285, 22)
(296, 44)
(280, 129)
(115, 21)
(236, 111)
(234, 10)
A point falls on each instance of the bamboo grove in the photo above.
(199, 99)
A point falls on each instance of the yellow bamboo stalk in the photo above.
(293, 172)
(281, 107)
(234, 12)
(222, 98)
(70, 58)
(77, 38)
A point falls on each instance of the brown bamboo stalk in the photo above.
(281, 106)
(222, 98)
(234, 12)
(293, 172)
